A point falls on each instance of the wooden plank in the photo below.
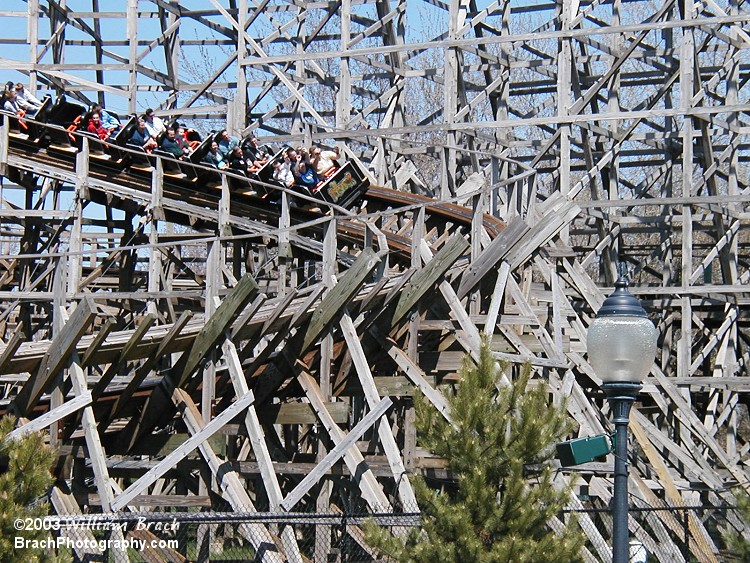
(696, 528)
(100, 337)
(336, 299)
(65, 505)
(232, 306)
(301, 413)
(336, 453)
(143, 371)
(124, 356)
(239, 325)
(16, 339)
(188, 446)
(51, 416)
(493, 311)
(387, 440)
(94, 445)
(415, 374)
(428, 276)
(252, 424)
(56, 356)
(371, 490)
(234, 490)
(487, 261)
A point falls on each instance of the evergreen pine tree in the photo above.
(738, 544)
(497, 507)
(24, 480)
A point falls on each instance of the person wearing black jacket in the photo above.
(169, 144)
(254, 155)
(237, 160)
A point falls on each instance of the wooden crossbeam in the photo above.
(336, 453)
(52, 416)
(57, 355)
(124, 356)
(178, 454)
(234, 490)
(387, 440)
(146, 368)
(12, 346)
(371, 490)
(336, 299)
(491, 255)
(428, 276)
(232, 305)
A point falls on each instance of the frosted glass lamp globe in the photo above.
(621, 341)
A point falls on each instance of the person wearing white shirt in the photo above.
(26, 99)
(282, 172)
(154, 125)
(11, 104)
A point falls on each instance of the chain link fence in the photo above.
(216, 536)
(659, 534)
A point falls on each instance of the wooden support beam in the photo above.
(148, 366)
(265, 544)
(52, 416)
(371, 490)
(124, 357)
(175, 456)
(428, 276)
(56, 356)
(336, 299)
(336, 453)
(387, 440)
(100, 337)
(16, 339)
(490, 256)
(213, 331)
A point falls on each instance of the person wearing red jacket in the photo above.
(95, 126)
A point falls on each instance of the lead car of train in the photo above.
(59, 129)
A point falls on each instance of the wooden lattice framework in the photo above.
(596, 132)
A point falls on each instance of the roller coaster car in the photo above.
(109, 153)
(66, 116)
(171, 165)
(265, 174)
(344, 187)
(201, 171)
(118, 142)
(29, 131)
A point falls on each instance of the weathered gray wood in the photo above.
(256, 533)
(189, 445)
(14, 343)
(57, 355)
(65, 505)
(230, 308)
(387, 440)
(336, 453)
(142, 372)
(372, 492)
(429, 275)
(114, 367)
(51, 416)
(101, 336)
(339, 296)
(656, 170)
(491, 255)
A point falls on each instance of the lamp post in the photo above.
(621, 345)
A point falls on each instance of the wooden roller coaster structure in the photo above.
(188, 343)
